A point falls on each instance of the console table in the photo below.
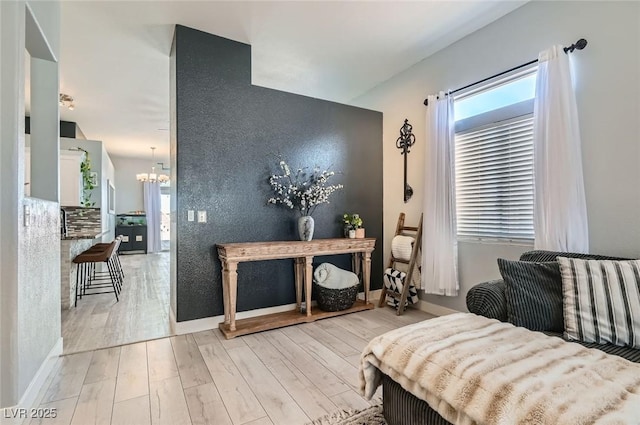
(302, 252)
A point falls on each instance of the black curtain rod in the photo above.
(578, 45)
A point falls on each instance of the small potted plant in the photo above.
(353, 225)
(88, 182)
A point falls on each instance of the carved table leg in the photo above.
(366, 274)
(225, 291)
(308, 276)
(299, 277)
(232, 286)
(356, 261)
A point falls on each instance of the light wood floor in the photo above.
(142, 313)
(286, 376)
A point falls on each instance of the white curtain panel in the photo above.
(154, 215)
(560, 210)
(439, 241)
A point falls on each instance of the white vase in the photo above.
(352, 234)
(305, 227)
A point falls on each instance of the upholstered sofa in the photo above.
(486, 299)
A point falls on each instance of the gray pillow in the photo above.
(534, 294)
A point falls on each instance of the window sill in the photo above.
(497, 241)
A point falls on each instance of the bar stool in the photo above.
(86, 277)
(100, 247)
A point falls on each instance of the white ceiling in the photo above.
(115, 55)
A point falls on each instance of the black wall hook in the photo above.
(404, 142)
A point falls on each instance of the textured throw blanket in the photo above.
(330, 276)
(474, 370)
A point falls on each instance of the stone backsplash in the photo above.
(83, 220)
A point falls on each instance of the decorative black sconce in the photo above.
(404, 142)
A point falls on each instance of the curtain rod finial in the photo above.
(579, 45)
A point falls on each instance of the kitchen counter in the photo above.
(70, 246)
(81, 235)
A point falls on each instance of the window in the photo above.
(494, 159)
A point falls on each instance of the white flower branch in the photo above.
(302, 191)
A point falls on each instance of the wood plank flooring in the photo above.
(284, 376)
(287, 376)
(142, 313)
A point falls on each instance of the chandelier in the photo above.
(66, 101)
(152, 176)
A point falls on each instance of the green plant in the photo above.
(87, 180)
(352, 221)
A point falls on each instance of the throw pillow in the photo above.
(534, 294)
(394, 280)
(601, 301)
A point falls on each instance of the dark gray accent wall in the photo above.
(228, 133)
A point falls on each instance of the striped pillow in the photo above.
(601, 301)
(534, 294)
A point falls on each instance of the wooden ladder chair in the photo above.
(416, 233)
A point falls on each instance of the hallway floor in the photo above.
(287, 376)
(141, 314)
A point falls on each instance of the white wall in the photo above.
(94, 150)
(108, 176)
(3, 351)
(101, 164)
(30, 250)
(608, 91)
(39, 312)
(129, 191)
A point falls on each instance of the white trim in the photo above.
(172, 320)
(41, 375)
(198, 325)
(30, 397)
(204, 324)
(36, 42)
(435, 309)
(373, 295)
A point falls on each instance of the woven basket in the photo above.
(335, 299)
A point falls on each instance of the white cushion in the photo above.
(601, 301)
(401, 247)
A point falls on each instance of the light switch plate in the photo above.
(202, 216)
(191, 215)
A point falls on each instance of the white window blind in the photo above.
(494, 180)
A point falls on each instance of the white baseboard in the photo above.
(198, 325)
(29, 399)
(373, 295)
(435, 309)
(31, 394)
(172, 320)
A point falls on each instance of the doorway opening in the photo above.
(165, 220)
(142, 311)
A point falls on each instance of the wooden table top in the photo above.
(255, 251)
